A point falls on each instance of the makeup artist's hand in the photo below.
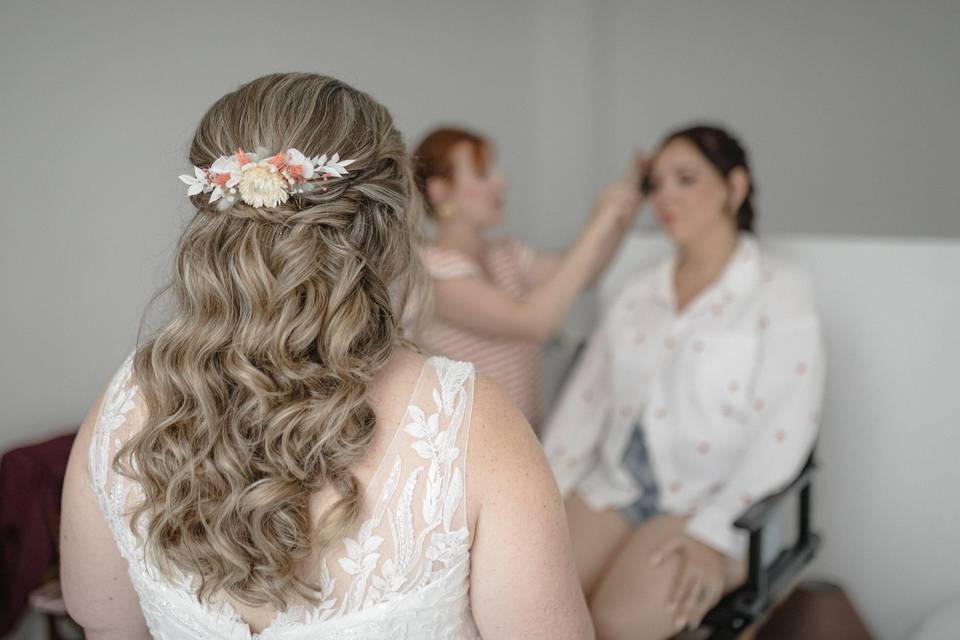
(615, 208)
(619, 203)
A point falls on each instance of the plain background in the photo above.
(848, 109)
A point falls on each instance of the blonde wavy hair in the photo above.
(255, 389)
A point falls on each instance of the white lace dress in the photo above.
(405, 572)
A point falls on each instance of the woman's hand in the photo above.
(618, 204)
(615, 207)
(473, 303)
(700, 579)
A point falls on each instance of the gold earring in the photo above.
(447, 210)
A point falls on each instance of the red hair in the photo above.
(433, 156)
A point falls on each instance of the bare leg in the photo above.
(631, 599)
(597, 537)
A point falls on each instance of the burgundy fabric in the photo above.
(815, 610)
(31, 481)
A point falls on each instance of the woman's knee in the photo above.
(639, 618)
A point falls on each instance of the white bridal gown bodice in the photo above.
(403, 573)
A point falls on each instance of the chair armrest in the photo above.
(766, 584)
(758, 515)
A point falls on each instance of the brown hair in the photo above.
(725, 153)
(432, 157)
(256, 388)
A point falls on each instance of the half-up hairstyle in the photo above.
(725, 153)
(255, 389)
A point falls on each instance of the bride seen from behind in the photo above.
(276, 460)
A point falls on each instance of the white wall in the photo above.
(888, 489)
(886, 493)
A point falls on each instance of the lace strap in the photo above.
(414, 528)
(111, 429)
(437, 430)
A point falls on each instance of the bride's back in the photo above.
(409, 550)
(404, 562)
(273, 447)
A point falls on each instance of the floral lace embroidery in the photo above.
(410, 554)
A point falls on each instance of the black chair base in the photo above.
(766, 585)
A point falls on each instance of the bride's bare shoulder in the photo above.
(505, 457)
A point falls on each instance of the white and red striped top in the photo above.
(512, 363)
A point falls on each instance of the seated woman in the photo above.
(698, 394)
(275, 460)
(496, 301)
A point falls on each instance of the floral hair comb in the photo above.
(262, 181)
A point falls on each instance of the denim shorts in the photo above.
(636, 460)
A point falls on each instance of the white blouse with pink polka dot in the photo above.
(728, 393)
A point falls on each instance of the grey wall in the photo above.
(98, 105)
(846, 107)
(849, 108)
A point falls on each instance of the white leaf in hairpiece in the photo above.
(197, 183)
